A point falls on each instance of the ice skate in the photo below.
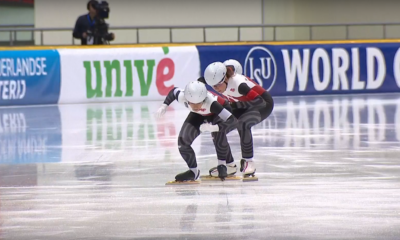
(187, 177)
(222, 172)
(248, 168)
(231, 170)
(215, 175)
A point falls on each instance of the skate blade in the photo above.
(183, 183)
(250, 178)
(211, 178)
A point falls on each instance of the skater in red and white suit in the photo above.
(208, 113)
(251, 104)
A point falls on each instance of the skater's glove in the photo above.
(208, 127)
(161, 111)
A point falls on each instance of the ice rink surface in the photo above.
(328, 168)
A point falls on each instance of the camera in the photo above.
(100, 30)
(103, 9)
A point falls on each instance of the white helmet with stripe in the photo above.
(237, 67)
(215, 73)
(195, 92)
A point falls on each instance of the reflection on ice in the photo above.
(327, 166)
(345, 122)
(30, 135)
(97, 132)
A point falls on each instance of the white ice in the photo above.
(328, 168)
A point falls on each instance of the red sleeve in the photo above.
(257, 88)
(220, 100)
(252, 94)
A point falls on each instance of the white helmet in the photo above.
(215, 73)
(237, 67)
(195, 92)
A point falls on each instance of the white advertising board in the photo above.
(125, 74)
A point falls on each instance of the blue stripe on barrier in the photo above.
(29, 77)
(314, 69)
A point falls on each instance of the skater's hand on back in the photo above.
(208, 127)
(161, 111)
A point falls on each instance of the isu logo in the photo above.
(260, 65)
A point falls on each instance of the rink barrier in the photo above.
(29, 77)
(81, 74)
(125, 74)
(315, 69)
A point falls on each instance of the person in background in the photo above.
(85, 25)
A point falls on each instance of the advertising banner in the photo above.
(316, 68)
(30, 135)
(29, 77)
(125, 74)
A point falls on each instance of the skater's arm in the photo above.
(172, 96)
(228, 120)
(219, 110)
(227, 117)
(255, 99)
(263, 93)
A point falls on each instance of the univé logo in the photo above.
(260, 65)
(145, 71)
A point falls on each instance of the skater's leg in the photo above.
(229, 158)
(220, 140)
(266, 111)
(247, 120)
(189, 132)
(227, 128)
(222, 147)
(226, 164)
